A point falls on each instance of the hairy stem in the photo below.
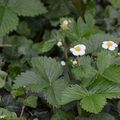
(22, 111)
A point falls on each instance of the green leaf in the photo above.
(87, 28)
(94, 98)
(96, 41)
(53, 9)
(20, 45)
(31, 101)
(82, 29)
(81, 26)
(110, 13)
(2, 82)
(44, 46)
(3, 74)
(115, 3)
(105, 87)
(7, 114)
(118, 106)
(72, 93)
(48, 80)
(51, 70)
(88, 99)
(8, 21)
(10, 9)
(85, 60)
(89, 18)
(84, 72)
(53, 93)
(112, 73)
(111, 92)
(104, 60)
(23, 29)
(100, 116)
(93, 103)
(17, 92)
(61, 115)
(27, 78)
(10, 103)
(27, 7)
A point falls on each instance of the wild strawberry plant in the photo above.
(63, 64)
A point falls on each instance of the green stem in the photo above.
(79, 109)
(65, 50)
(78, 59)
(22, 111)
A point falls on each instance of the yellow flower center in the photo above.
(110, 43)
(64, 26)
(77, 49)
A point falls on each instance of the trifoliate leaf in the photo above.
(92, 99)
(47, 80)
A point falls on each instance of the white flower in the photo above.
(63, 63)
(69, 21)
(110, 45)
(59, 44)
(2, 116)
(78, 50)
(74, 62)
(65, 24)
(118, 53)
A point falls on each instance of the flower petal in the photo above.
(104, 42)
(105, 46)
(72, 49)
(111, 48)
(77, 46)
(65, 22)
(75, 53)
(82, 52)
(115, 45)
(63, 63)
(83, 47)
